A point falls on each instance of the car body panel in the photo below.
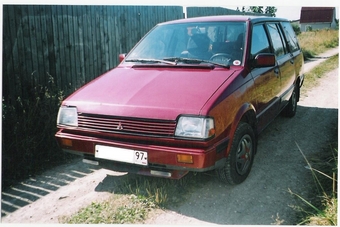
(148, 93)
(143, 92)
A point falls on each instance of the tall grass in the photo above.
(316, 42)
(323, 209)
(161, 191)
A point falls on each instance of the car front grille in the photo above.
(135, 126)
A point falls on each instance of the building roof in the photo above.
(316, 14)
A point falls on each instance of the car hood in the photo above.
(161, 93)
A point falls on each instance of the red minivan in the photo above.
(192, 95)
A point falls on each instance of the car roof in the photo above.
(252, 19)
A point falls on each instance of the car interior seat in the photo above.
(198, 46)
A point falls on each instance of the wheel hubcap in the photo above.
(244, 154)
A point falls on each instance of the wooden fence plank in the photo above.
(59, 35)
(76, 47)
(111, 37)
(10, 52)
(49, 26)
(32, 51)
(81, 44)
(54, 43)
(41, 45)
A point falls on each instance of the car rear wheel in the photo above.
(240, 160)
(290, 109)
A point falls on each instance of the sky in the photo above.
(289, 9)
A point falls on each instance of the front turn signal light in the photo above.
(184, 158)
(66, 142)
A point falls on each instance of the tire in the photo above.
(290, 109)
(240, 160)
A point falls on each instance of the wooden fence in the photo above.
(74, 44)
(209, 11)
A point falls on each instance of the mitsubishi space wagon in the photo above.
(192, 96)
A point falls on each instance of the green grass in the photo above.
(161, 191)
(134, 199)
(312, 77)
(122, 209)
(316, 42)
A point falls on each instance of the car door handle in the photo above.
(276, 71)
(292, 61)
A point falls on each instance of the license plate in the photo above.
(121, 155)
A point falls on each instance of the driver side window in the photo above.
(259, 41)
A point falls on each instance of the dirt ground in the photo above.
(263, 199)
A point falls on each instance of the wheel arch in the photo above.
(245, 114)
(298, 84)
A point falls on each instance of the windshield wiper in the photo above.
(193, 60)
(146, 60)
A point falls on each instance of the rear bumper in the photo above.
(161, 159)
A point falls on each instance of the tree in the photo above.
(243, 9)
(256, 9)
(271, 10)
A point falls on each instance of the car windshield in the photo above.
(211, 42)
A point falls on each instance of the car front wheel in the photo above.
(240, 160)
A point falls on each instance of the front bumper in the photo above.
(162, 160)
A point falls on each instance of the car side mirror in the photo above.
(121, 57)
(264, 60)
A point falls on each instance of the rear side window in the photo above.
(277, 39)
(291, 37)
(259, 41)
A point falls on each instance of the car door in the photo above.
(293, 47)
(285, 62)
(266, 79)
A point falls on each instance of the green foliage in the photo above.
(256, 9)
(117, 210)
(316, 42)
(28, 128)
(271, 10)
(259, 9)
(161, 191)
(308, 54)
(296, 29)
(328, 215)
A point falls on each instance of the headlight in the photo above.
(195, 127)
(67, 116)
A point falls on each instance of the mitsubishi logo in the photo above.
(120, 126)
